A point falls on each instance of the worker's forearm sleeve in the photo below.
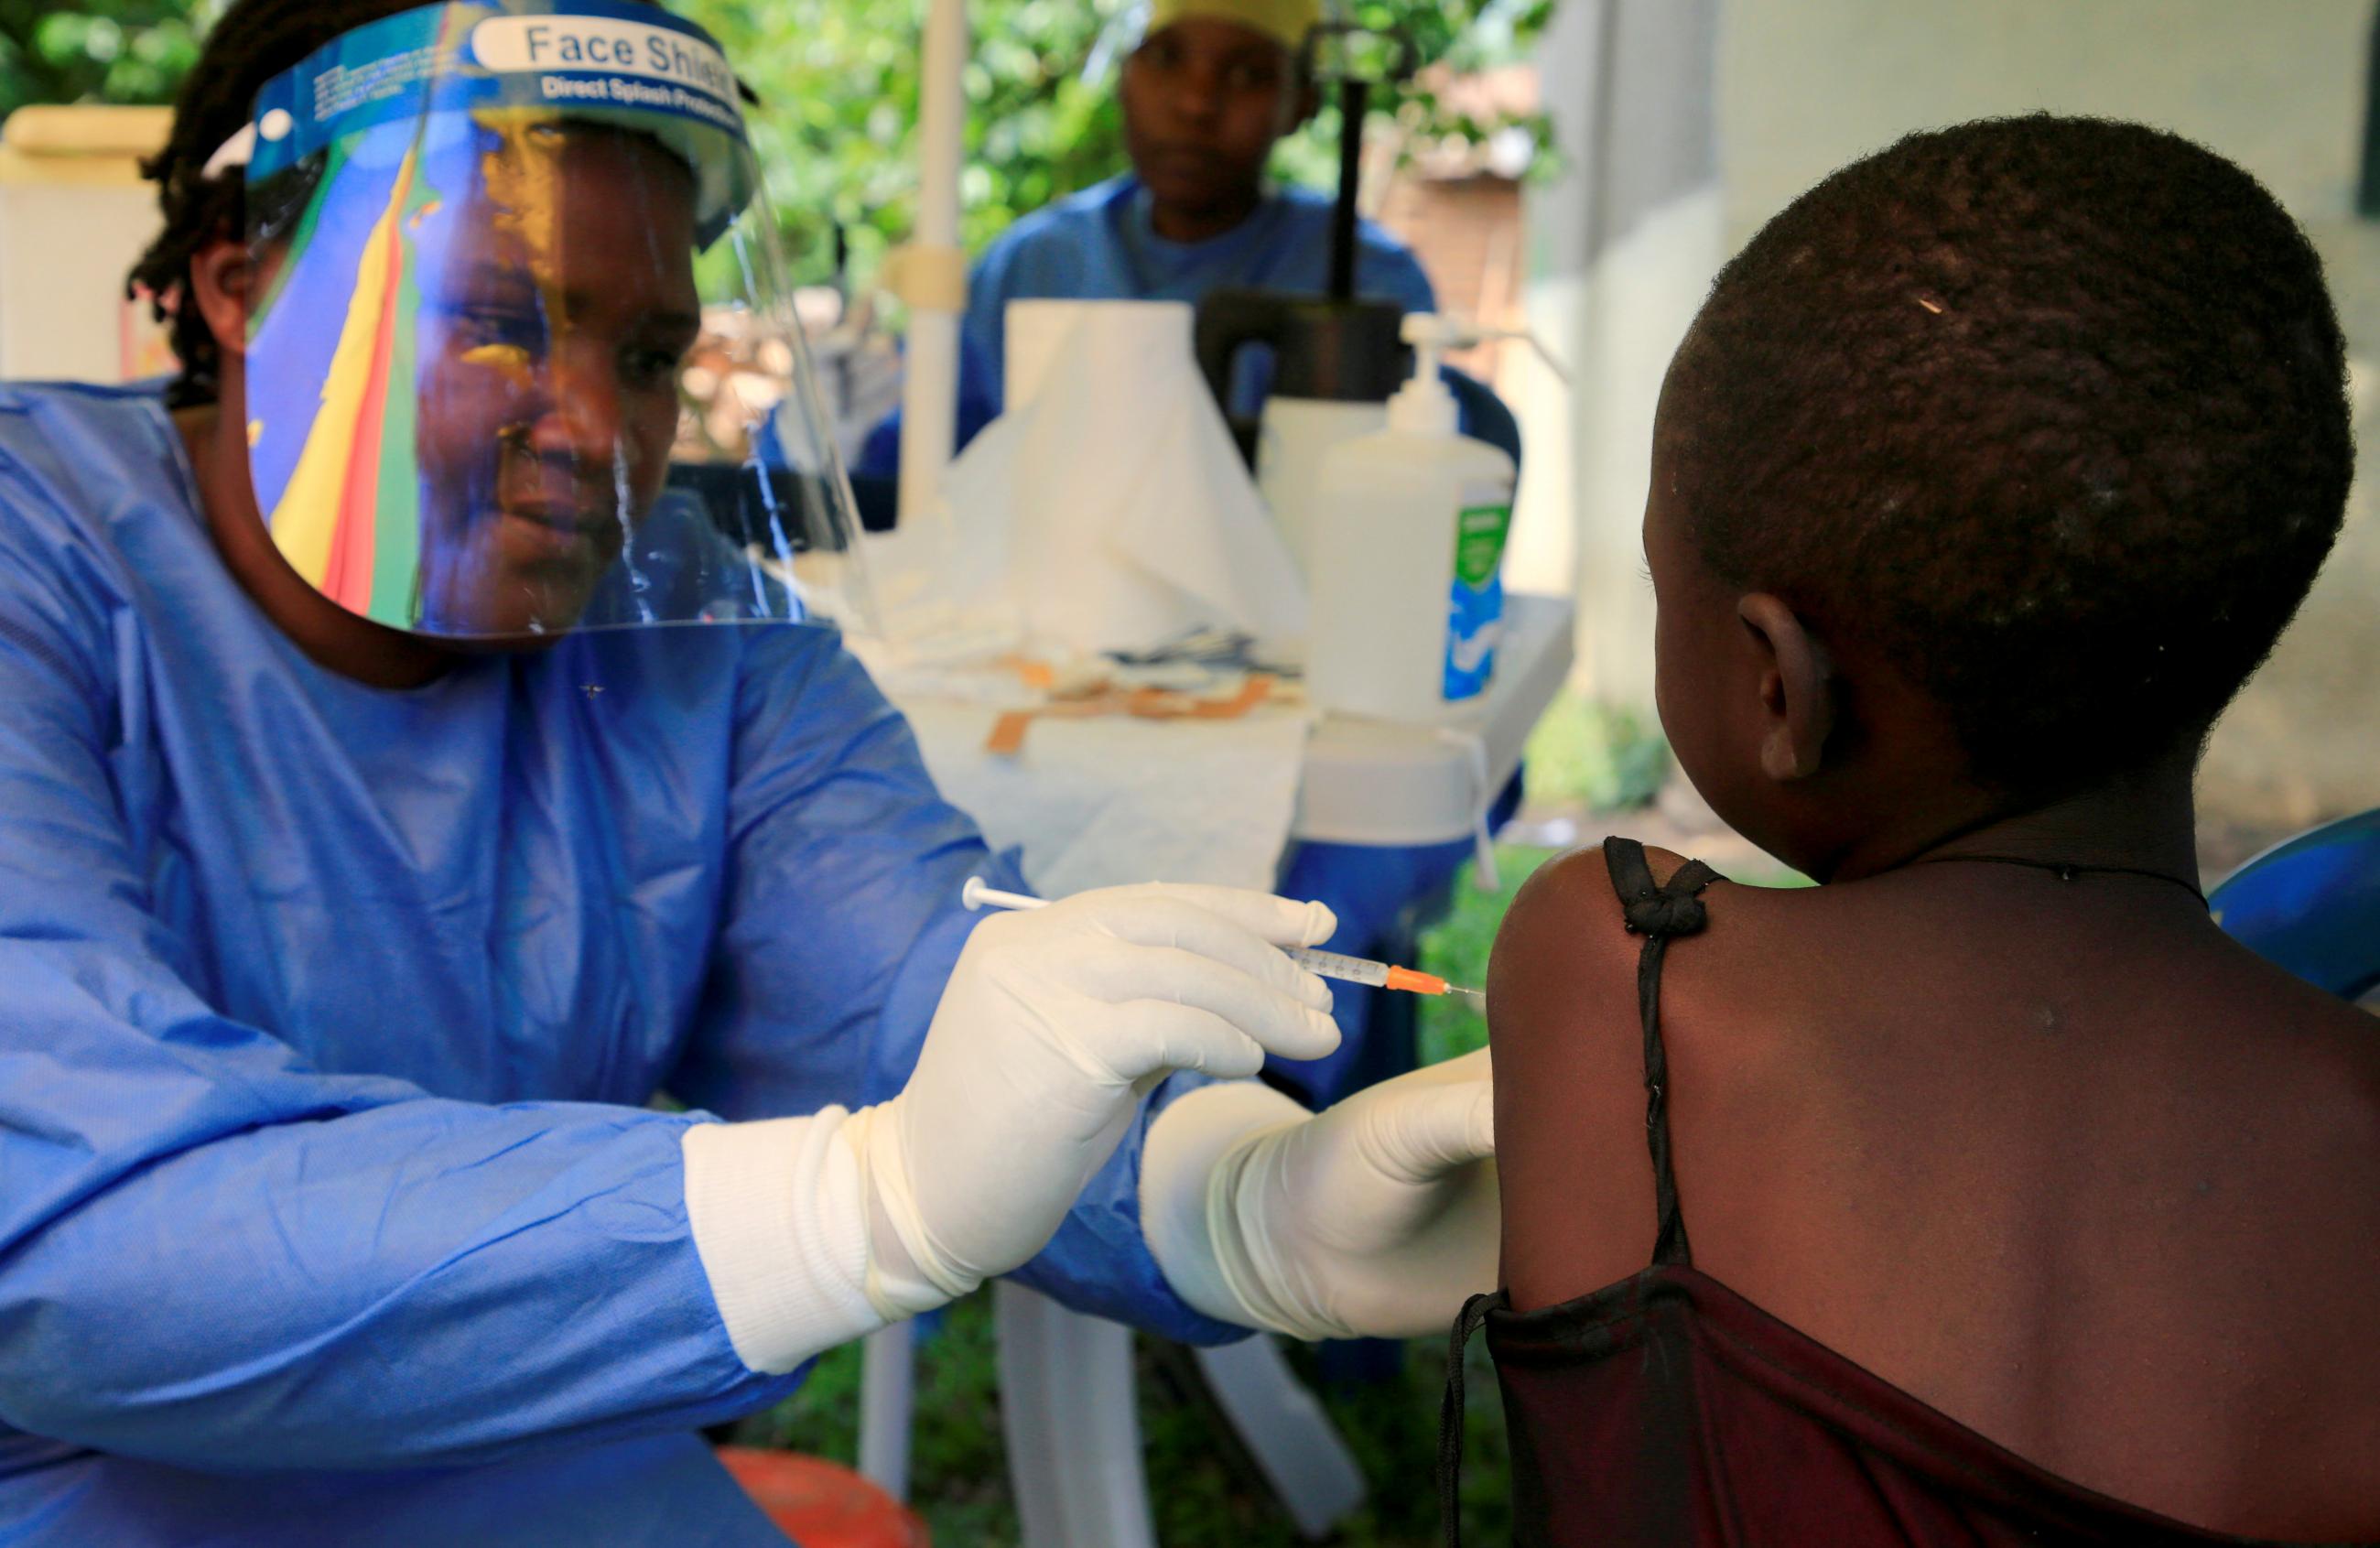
(231, 1267)
(781, 1221)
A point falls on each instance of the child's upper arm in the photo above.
(1576, 1178)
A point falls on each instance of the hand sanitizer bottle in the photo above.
(1406, 601)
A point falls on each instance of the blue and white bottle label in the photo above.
(1475, 615)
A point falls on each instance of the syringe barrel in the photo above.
(1327, 964)
(1348, 970)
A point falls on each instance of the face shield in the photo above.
(523, 358)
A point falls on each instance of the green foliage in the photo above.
(1599, 756)
(838, 84)
(110, 50)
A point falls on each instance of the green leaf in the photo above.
(838, 81)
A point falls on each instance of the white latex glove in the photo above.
(818, 1229)
(1054, 1023)
(1373, 1218)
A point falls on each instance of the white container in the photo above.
(1296, 433)
(1407, 530)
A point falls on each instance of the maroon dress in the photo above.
(1667, 1410)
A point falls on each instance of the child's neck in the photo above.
(2143, 821)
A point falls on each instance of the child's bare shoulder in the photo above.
(1567, 922)
(1564, 969)
(1565, 965)
(1570, 1103)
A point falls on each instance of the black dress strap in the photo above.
(1660, 915)
(1450, 1414)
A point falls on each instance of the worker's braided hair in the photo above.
(2050, 411)
(255, 41)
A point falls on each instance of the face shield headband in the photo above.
(523, 360)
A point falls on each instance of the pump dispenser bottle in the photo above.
(1406, 603)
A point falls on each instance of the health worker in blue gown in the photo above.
(428, 737)
(1210, 89)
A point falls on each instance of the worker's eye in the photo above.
(477, 324)
(1246, 77)
(649, 366)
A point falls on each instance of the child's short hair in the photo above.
(2052, 409)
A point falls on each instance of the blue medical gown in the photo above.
(1099, 246)
(331, 1013)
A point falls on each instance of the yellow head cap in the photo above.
(1284, 21)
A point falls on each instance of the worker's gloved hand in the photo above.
(1374, 1218)
(1054, 1023)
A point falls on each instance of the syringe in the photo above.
(1325, 964)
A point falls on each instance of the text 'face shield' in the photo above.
(524, 359)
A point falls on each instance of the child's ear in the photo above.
(1797, 688)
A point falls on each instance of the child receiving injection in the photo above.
(1985, 1193)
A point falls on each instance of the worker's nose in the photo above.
(1199, 93)
(578, 416)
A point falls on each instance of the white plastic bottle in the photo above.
(1296, 434)
(1408, 535)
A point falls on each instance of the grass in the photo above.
(1457, 949)
(1203, 1491)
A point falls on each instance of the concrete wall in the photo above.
(1622, 247)
(2277, 85)
(74, 217)
(1807, 85)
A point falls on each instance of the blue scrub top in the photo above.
(331, 1016)
(1098, 245)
